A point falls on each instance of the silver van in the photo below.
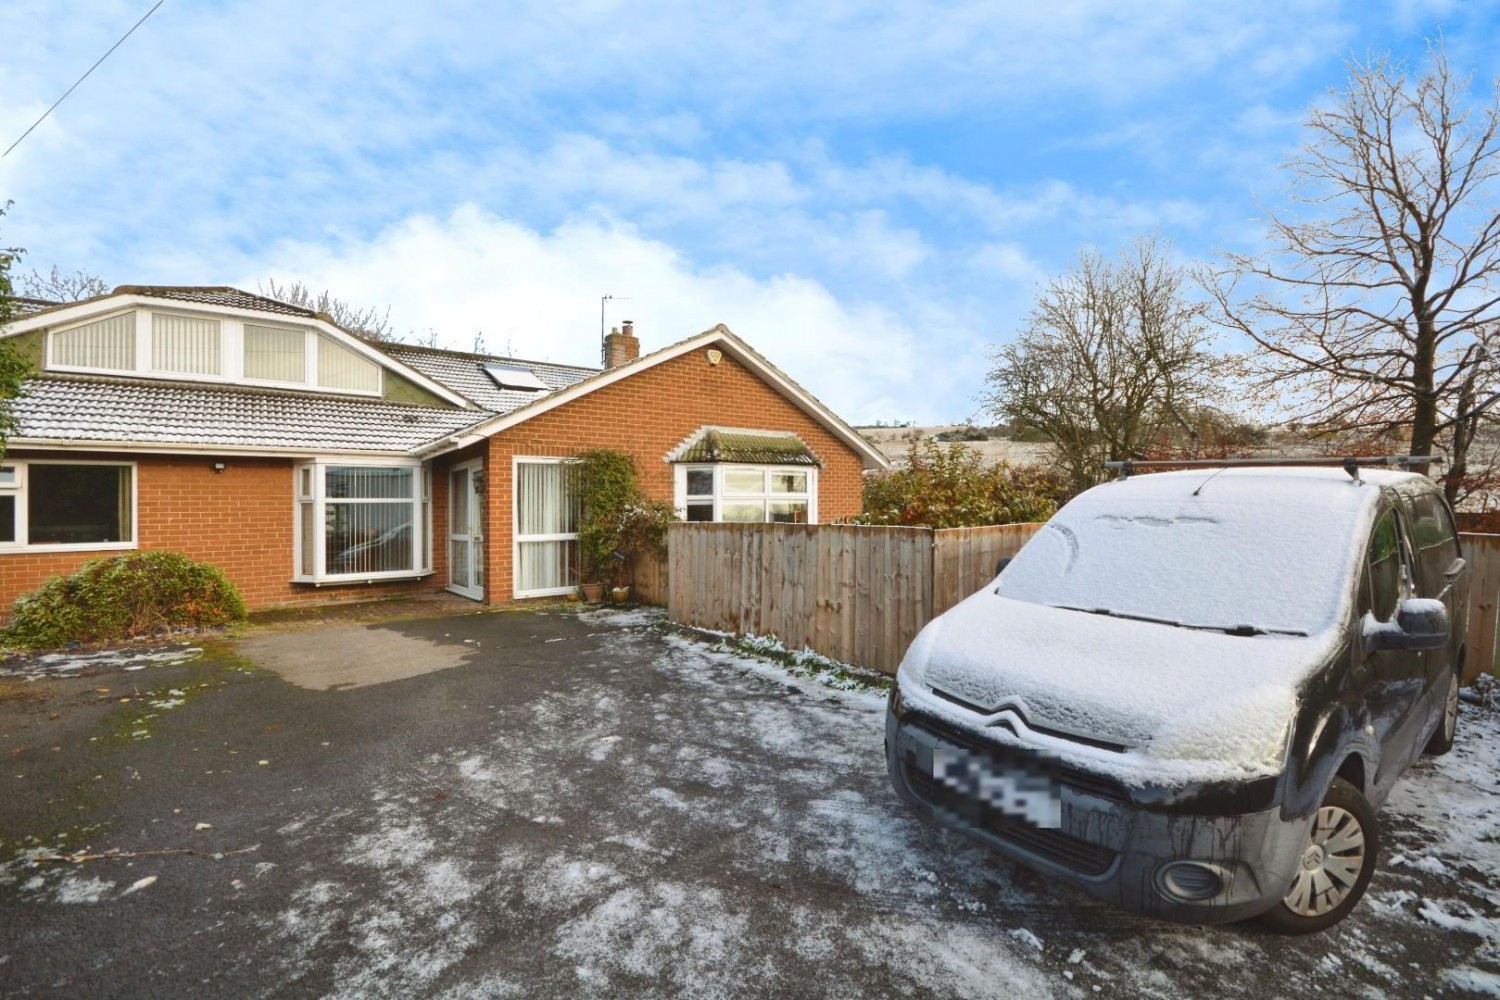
(1190, 692)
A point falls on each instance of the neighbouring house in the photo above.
(310, 464)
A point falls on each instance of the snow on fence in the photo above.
(860, 594)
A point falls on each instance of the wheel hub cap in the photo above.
(1331, 863)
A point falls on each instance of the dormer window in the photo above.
(203, 348)
(186, 345)
(341, 368)
(275, 355)
(106, 344)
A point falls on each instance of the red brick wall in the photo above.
(240, 520)
(648, 415)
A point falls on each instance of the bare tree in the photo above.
(367, 322)
(55, 286)
(1112, 355)
(1373, 312)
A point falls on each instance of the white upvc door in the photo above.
(546, 528)
(465, 531)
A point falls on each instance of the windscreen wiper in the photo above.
(1112, 613)
(1243, 630)
(1250, 630)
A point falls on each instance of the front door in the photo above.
(465, 531)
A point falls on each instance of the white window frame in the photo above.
(23, 514)
(420, 501)
(680, 476)
(146, 362)
(309, 358)
(231, 353)
(142, 352)
(517, 538)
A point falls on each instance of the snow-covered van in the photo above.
(1190, 691)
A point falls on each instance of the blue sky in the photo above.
(868, 193)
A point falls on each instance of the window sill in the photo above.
(547, 592)
(360, 578)
(12, 549)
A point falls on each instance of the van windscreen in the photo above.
(1255, 567)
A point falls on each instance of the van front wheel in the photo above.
(1335, 866)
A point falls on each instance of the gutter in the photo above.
(70, 444)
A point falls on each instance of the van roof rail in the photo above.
(1350, 463)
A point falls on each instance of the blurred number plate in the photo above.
(1006, 786)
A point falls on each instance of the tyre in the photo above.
(1335, 866)
(1442, 740)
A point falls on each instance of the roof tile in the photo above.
(88, 409)
(465, 375)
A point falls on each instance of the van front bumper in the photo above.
(1158, 857)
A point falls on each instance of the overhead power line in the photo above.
(82, 78)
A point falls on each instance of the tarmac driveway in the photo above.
(579, 804)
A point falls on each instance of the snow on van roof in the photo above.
(1281, 485)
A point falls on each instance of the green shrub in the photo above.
(124, 597)
(953, 487)
(616, 515)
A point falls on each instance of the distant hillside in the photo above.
(894, 442)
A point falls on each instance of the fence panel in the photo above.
(860, 594)
(1483, 554)
(964, 559)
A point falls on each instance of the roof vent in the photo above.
(514, 377)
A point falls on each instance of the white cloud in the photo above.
(868, 192)
(538, 296)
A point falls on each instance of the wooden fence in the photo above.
(860, 594)
(1483, 554)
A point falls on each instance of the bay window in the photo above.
(747, 493)
(67, 505)
(362, 522)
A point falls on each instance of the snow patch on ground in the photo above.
(71, 662)
(749, 844)
(1474, 981)
(1462, 919)
(83, 889)
(624, 617)
(685, 934)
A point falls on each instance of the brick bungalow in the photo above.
(311, 465)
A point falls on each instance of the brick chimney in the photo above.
(621, 346)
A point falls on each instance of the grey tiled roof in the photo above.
(82, 408)
(715, 445)
(23, 306)
(215, 295)
(464, 374)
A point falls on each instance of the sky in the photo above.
(870, 194)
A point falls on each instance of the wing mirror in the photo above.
(1421, 623)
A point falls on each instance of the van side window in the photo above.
(1385, 568)
(1435, 541)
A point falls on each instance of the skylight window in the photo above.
(514, 377)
